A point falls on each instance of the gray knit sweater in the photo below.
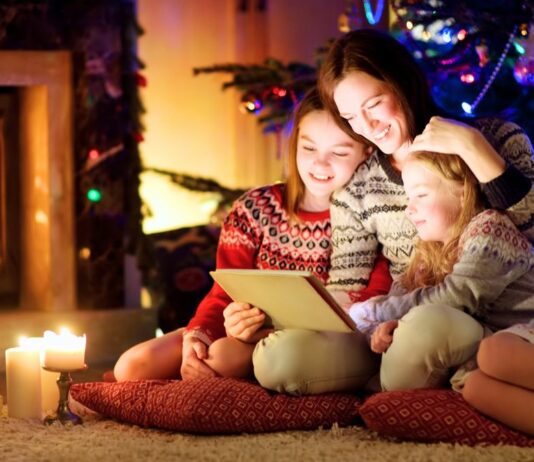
(493, 279)
(368, 214)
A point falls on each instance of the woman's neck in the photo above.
(398, 158)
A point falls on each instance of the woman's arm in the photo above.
(354, 248)
(499, 154)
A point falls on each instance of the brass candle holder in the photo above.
(63, 413)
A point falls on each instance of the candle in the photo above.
(49, 391)
(23, 377)
(64, 352)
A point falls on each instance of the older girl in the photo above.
(280, 226)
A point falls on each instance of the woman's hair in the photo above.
(432, 261)
(384, 58)
(295, 188)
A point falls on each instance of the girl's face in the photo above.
(373, 111)
(434, 203)
(326, 158)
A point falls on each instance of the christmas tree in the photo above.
(478, 56)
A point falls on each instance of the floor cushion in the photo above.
(215, 405)
(435, 415)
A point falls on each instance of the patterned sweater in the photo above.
(370, 211)
(257, 234)
(493, 279)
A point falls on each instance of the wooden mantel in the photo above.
(44, 79)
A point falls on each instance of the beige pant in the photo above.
(429, 341)
(306, 362)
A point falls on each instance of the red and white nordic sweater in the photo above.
(257, 234)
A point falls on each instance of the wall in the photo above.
(192, 126)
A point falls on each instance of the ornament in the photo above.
(349, 20)
(138, 137)
(483, 53)
(93, 154)
(251, 103)
(141, 79)
(469, 76)
(523, 30)
(524, 71)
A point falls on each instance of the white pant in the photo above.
(429, 341)
(300, 361)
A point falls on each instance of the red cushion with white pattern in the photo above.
(215, 405)
(435, 415)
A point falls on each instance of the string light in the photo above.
(94, 195)
(371, 16)
(469, 108)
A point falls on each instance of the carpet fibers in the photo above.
(101, 439)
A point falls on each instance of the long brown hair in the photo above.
(384, 58)
(432, 261)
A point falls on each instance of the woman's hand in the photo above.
(243, 322)
(448, 136)
(383, 336)
(194, 352)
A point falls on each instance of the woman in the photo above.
(374, 88)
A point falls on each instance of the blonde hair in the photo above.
(432, 261)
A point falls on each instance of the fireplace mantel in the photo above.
(44, 80)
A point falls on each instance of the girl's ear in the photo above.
(369, 150)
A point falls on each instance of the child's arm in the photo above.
(493, 255)
(238, 245)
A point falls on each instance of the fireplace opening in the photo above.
(9, 198)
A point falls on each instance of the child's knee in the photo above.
(131, 365)
(494, 352)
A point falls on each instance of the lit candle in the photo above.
(23, 379)
(48, 383)
(64, 352)
(49, 389)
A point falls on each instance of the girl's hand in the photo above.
(363, 316)
(447, 136)
(383, 336)
(243, 322)
(194, 352)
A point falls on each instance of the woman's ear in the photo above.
(369, 150)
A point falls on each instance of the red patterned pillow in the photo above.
(435, 415)
(216, 405)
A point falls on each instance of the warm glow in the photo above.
(65, 351)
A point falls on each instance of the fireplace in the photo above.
(46, 273)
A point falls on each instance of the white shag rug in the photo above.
(100, 439)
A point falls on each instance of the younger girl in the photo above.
(281, 226)
(475, 264)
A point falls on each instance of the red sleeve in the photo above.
(379, 281)
(237, 248)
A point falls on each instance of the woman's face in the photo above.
(373, 111)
